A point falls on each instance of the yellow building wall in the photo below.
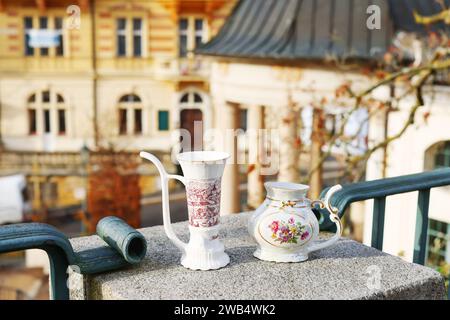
(78, 54)
(65, 191)
(67, 187)
(160, 35)
(155, 77)
(148, 184)
(219, 16)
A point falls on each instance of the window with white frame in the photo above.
(43, 23)
(121, 33)
(191, 33)
(61, 115)
(28, 26)
(243, 121)
(438, 245)
(137, 37)
(130, 115)
(58, 25)
(129, 37)
(32, 115)
(46, 113)
(442, 155)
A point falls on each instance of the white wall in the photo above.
(14, 93)
(78, 96)
(154, 95)
(268, 85)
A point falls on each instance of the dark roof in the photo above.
(402, 15)
(313, 29)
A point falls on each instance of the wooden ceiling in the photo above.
(43, 5)
(177, 7)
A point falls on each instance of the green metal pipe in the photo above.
(130, 243)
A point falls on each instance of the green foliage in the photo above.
(444, 269)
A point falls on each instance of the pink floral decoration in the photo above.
(203, 199)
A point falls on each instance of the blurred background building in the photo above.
(85, 85)
(101, 75)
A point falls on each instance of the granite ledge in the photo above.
(347, 270)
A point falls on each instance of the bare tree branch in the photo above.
(416, 76)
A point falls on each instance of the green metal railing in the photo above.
(378, 190)
(123, 246)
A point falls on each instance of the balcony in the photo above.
(182, 69)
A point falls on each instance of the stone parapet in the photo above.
(348, 270)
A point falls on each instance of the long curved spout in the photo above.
(165, 199)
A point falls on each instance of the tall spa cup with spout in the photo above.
(203, 172)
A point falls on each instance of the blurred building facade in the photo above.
(278, 61)
(117, 76)
(120, 75)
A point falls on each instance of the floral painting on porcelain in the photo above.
(288, 232)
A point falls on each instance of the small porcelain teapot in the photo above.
(284, 226)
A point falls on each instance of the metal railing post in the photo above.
(379, 206)
(59, 265)
(420, 237)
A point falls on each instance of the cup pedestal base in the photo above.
(280, 256)
(204, 250)
(205, 260)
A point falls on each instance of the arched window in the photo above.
(43, 105)
(184, 98)
(32, 121)
(45, 96)
(438, 243)
(197, 98)
(442, 155)
(191, 99)
(61, 114)
(130, 108)
(130, 98)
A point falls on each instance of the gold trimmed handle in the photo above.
(326, 203)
